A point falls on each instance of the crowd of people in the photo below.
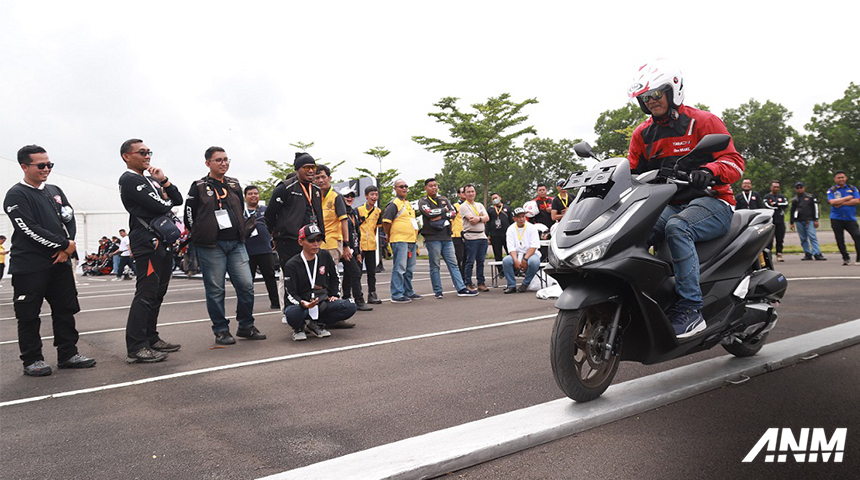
(308, 229)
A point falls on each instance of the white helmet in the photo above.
(660, 74)
(531, 208)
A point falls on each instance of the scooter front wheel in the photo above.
(578, 345)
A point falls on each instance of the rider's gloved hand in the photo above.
(701, 179)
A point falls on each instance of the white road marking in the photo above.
(269, 360)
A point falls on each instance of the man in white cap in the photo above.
(523, 244)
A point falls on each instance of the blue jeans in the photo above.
(228, 256)
(445, 250)
(476, 253)
(404, 255)
(702, 219)
(808, 238)
(533, 267)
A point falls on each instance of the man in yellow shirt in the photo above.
(3, 253)
(401, 228)
(334, 217)
(370, 218)
(457, 233)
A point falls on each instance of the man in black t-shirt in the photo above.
(311, 282)
(500, 219)
(214, 213)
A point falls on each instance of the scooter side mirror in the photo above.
(583, 149)
(713, 142)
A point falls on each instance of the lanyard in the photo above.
(311, 277)
(747, 197)
(307, 195)
(431, 199)
(520, 235)
(564, 200)
(498, 209)
(472, 206)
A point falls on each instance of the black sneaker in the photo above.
(316, 330)
(466, 292)
(364, 307)
(807, 257)
(162, 346)
(415, 296)
(38, 369)
(438, 296)
(145, 355)
(224, 338)
(373, 299)
(342, 324)
(524, 287)
(688, 323)
(820, 257)
(511, 290)
(250, 333)
(77, 361)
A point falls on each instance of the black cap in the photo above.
(302, 159)
(799, 184)
(310, 232)
(519, 211)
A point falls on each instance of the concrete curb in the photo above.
(462, 446)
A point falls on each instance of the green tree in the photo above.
(614, 129)
(484, 137)
(378, 153)
(833, 142)
(547, 160)
(385, 183)
(277, 172)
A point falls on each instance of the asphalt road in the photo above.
(258, 408)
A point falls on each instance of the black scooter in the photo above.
(616, 291)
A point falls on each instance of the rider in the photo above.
(673, 130)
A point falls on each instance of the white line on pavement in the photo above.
(270, 360)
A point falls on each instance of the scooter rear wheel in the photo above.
(578, 340)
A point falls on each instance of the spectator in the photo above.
(437, 213)
(214, 214)
(261, 255)
(401, 228)
(804, 214)
(457, 234)
(474, 217)
(334, 217)
(523, 243)
(777, 202)
(369, 220)
(352, 267)
(145, 198)
(544, 204)
(124, 256)
(43, 239)
(311, 299)
(559, 204)
(843, 199)
(747, 198)
(497, 227)
(296, 201)
(3, 253)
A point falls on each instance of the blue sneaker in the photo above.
(400, 299)
(466, 292)
(688, 323)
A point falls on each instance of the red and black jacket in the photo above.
(658, 144)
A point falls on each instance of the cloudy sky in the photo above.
(81, 77)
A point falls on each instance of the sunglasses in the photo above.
(144, 153)
(309, 168)
(42, 166)
(314, 240)
(401, 186)
(651, 95)
(221, 160)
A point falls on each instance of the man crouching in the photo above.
(311, 282)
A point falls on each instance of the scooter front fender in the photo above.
(581, 293)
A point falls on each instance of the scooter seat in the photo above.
(709, 249)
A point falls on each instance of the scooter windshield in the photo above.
(599, 192)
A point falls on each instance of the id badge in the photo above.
(498, 223)
(314, 219)
(314, 312)
(223, 219)
(414, 224)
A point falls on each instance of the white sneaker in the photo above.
(284, 319)
(299, 335)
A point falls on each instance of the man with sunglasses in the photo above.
(401, 228)
(672, 130)
(214, 213)
(296, 201)
(457, 233)
(146, 197)
(43, 240)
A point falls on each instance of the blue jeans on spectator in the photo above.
(445, 250)
(476, 253)
(116, 265)
(703, 219)
(119, 263)
(333, 312)
(404, 255)
(531, 270)
(227, 257)
(808, 238)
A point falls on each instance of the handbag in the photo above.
(163, 227)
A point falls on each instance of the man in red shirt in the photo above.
(673, 130)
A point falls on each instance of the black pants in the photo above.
(460, 253)
(154, 268)
(57, 286)
(369, 257)
(499, 244)
(2, 270)
(779, 236)
(265, 262)
(123, 261)
(839, 229)
(352, 279)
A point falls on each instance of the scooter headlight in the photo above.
(595, 247)
(592, 254)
